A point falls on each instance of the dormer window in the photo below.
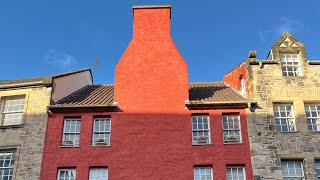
(290, 64)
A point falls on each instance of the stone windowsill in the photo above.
(104, 146)
(204, 144)
(12, 126)
(232, 143)
(63, 146)
(287, 132)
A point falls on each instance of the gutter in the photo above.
(220, 105)
(36, 83)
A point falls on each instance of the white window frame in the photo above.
(71, 133)
(290, 121)
(98, 178)
(236, 167)
(69, 170)
(313, 121)
(206, 168)
(227, 116)
(317, 166)
(12, 160)
(107, 141)
(203, 130)
(4, 113)
(295, 175)
(287, 63)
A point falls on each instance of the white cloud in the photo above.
(61, 60)
(290, 25)
(285, 24)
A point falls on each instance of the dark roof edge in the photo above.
(314, 62)
(82, 108)
(257, 62)
(71, 72)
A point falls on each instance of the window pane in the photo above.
(292, 169)
(71, 131)
(313, 116)
(235, 173)
(202, 173)
(284, 117)
(290, 64)
(98, 174)
(231, 129)
(200, 129)
(101, 131)
(67, 174)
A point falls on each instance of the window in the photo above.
(313, 116)
(200, 129)
(231, 129)
(236, 173)
(290, 65)
(98, 174)
(71, 132)
(67, 174)
(12, 110)
(202, 173)
(101, 131)
(292, 170)
(7, 160)
(284, 117)
(318, 169)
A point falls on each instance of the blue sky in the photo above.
(40, 38)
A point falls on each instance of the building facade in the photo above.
(23, 117)
(285, 124)
(152, 123)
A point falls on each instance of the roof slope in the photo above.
(102, 95)
(213, 92)
(93, 95)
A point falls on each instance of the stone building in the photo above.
(23, 119)
(284, 127)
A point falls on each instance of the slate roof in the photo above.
(89, 95)
(213, 92)
(102, 95)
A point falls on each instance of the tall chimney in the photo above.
(151, 75)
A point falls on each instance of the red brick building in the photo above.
(152, 123)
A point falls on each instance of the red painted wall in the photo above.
(151, 73)
(151, 133)
(233, 78)
(145, 146)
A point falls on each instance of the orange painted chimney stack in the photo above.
(151, 75)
